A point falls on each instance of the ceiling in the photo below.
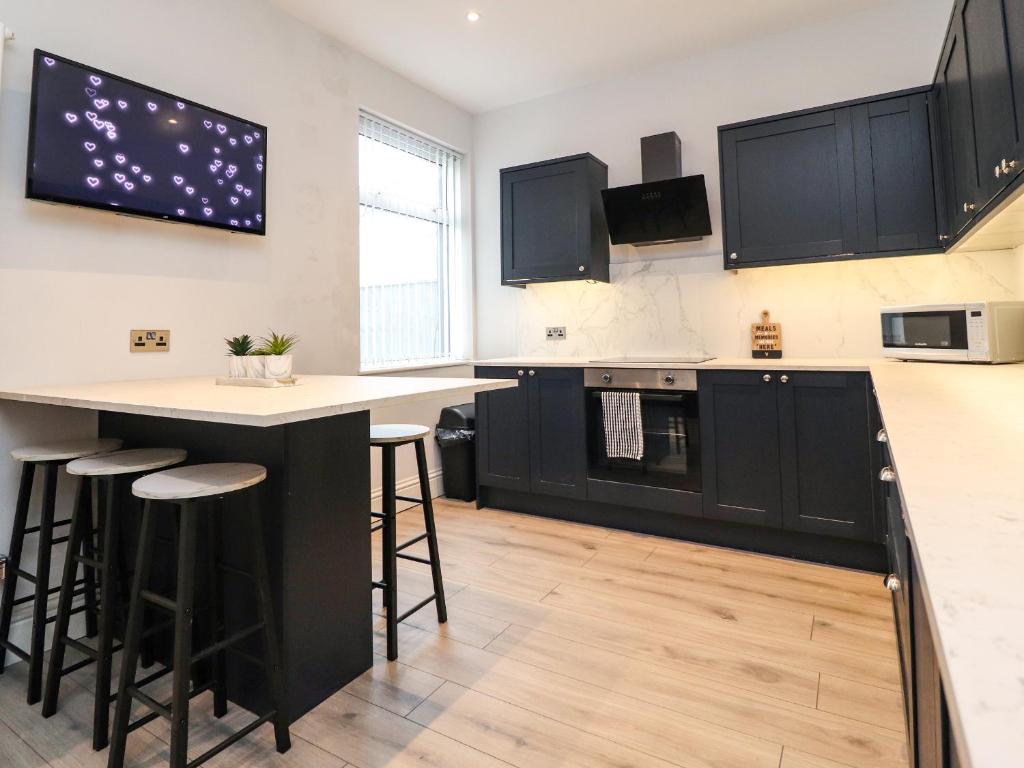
(523, 49)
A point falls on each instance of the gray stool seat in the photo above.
(392, 434)
(129, 462)
(198, 481)
(65, 450)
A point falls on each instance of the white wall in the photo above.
(73, 282)
(679, 299)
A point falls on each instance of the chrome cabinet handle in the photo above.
(733, 256)
(533, 373)
(1007, 166)
(887, 475)
(892, 582)
(882, 436)
(606, 378)
(520, 371)
(968, 207)
(766, 378)
(582, 268)
(670, 379)
(784, 379)
(943, 238)
(999, 170)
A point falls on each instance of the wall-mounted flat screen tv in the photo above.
(101, 141)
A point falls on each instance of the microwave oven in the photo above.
(973, 332)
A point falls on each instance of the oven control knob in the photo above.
(606, 378)
(670, 379)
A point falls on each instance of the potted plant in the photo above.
(275, 350)
(239, 348)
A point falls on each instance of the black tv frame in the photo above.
(123, 210)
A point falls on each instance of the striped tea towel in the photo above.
(623, 430)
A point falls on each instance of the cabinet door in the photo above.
(827, 486)
(788, 189)
(956, 131)
(988, 62)
(558, 432)
(740, 455)
(1014, 12)
(545, 222)
(895, 189)
(929, 714)
(503, 437)
(899, 585)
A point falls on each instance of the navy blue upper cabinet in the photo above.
(846, 181)
(979, 99)
(552, 221)
(992, 92)
(956, 147)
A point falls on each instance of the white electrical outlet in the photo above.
(556, 333)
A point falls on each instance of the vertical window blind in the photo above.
(409, 237)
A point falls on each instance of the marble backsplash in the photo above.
(690, 305)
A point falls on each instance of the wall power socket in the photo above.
(556, 333)
(150, 341)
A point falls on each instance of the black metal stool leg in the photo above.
(216, 619)
(133, 635)
(42, 596)
(389, 536)
(110, 527)
(428, 522)
(88, 549)
(183, 618)
(79, 524)
(28, 472)
(272, 661)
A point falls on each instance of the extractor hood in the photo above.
(667, 208)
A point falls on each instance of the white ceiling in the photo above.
(523, 49)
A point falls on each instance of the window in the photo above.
(409, 248)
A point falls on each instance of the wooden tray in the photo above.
(228, 381)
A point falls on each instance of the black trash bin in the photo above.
(456, 436)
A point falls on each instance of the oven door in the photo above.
(671, 442)
(926, 333)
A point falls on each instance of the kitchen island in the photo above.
(314, 440)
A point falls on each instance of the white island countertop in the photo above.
(200, 398)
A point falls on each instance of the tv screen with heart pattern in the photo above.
(102, 141)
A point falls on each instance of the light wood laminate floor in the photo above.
(569, 645)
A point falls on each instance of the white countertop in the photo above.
(956, 433)
(729, 363)
(201, 399)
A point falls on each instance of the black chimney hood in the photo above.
(667, 208)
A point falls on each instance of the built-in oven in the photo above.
(664, 442)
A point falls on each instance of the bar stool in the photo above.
(50, 457)
(388, 437)
(106, 474)
(191, 490)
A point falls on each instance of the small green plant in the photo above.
(277, 344)
(240, 346)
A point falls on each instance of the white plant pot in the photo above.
(236, 366)
(254, 366)
(278, 366)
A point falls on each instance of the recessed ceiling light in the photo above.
(473, 17)
(172, 121)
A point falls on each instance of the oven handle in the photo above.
(674, 397)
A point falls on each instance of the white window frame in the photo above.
(455, 268)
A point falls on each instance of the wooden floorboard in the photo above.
(570, 646)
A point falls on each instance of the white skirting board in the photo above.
(410, 486)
